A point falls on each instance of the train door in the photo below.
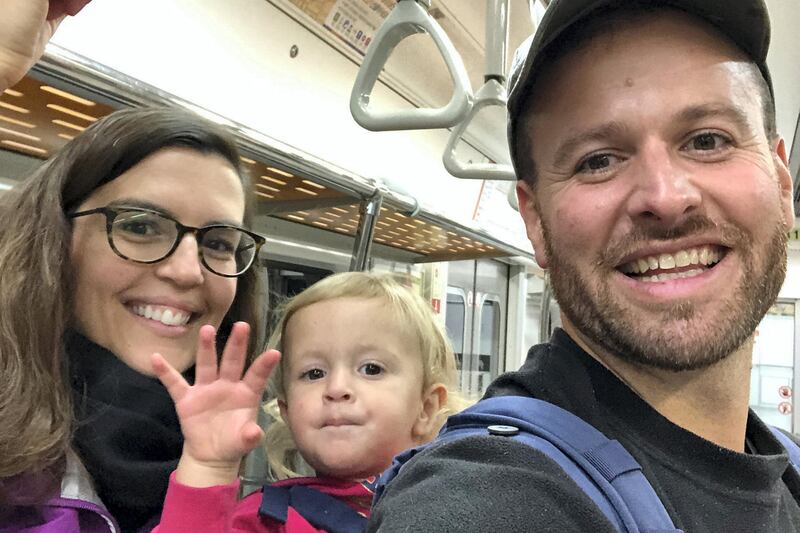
(773, 374)
(475, 317)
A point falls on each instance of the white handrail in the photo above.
(409, 17)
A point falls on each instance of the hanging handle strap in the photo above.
(409, 17)
(493, 93)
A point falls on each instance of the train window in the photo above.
(455, 321)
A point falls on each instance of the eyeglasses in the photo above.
(147, 236)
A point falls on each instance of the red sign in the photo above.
(784, 408)
(785, 391)
(437, 305)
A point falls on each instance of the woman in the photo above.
(123, 244)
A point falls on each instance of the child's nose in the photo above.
(339, 387)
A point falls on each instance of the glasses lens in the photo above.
(143, 236)
(228, 251)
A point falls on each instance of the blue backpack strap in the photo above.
(791, 447)
(321, 510)
(601, 467)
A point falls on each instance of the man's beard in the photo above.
(689, 339)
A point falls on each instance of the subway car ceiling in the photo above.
(67, 93)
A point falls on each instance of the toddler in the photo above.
(366, 373)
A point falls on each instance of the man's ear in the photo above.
(784, 181)
(433, 400)
(526, 197)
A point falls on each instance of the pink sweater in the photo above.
(215, 509)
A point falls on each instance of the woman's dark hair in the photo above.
(36, 276)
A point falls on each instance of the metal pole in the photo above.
(368, 215)
(545, 321)
(496, 39)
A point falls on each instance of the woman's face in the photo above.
(113, 296)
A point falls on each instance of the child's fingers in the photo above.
(233, 356)
(258, 374)
(251, 436)
(171, 379)
(206, 363)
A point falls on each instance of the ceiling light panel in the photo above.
(38, 119)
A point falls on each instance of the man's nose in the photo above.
(664, 191)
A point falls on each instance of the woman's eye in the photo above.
(706, 142)
(313, 374)
(372, 369)
(139, 228)
(219, 246)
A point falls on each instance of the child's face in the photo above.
(353, 380)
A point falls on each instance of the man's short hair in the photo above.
(603, 20)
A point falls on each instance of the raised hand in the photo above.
(25, 28)
(218, 412)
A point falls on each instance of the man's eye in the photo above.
(597, 163)
(313, 374)
(707, 141)
(372, 369)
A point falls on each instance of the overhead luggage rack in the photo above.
(67, 93)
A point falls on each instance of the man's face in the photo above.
(660, 207)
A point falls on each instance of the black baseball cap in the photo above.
(745, 22)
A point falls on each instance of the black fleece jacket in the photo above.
(483, 483)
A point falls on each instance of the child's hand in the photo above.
(218, 412)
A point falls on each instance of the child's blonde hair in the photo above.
(410, 311)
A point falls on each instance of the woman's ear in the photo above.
(433, 400)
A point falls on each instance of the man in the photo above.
(655, 190)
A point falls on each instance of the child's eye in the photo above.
(371, 369)
(313, 374)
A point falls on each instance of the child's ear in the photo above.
(283, 408)
(432, 402)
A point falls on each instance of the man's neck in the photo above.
(711, 403)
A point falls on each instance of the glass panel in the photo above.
(771, 383)
(455, 317)
(489, 344)
(533, 312)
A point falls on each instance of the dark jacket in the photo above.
(488, 484)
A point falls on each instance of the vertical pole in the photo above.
(369, 211)
(545, 321)
(496, 39)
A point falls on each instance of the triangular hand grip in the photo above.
(491, 94)
(408, 18)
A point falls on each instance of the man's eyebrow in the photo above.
(144, 204)
(598, 133)
(726, 111)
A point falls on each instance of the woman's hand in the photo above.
(218, 412)
(25, 28)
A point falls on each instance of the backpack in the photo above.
(601, 467)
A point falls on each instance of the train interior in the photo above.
(332, 196)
